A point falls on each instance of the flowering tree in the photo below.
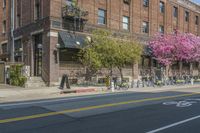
(196, 48)
(175, 47)
(162, 48)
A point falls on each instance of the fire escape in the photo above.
(74, 18)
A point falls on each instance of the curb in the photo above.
(78, 91)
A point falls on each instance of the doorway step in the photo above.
(35, 82)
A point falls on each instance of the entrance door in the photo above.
(38, 55)
(2, 73)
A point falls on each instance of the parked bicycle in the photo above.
(122, 86)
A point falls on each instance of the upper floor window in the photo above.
(145, 27)
(197, 20)
(101, 16)
(186, 16)
(162, 7)
(125, 23)
(175, 12)
(4, 48)
(18, 20)
(70, 2)
(4, 27)
(146, 3)
(127, 1)
(4, 3)
(37, 9)
(161, 29)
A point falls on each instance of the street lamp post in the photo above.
(56, 52)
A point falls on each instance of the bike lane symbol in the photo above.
(182, 104)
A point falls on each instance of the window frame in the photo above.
(4, 3)
(37, 9)
(163, 29)
(4, 27)
(175, 12)
(18, 55)
(69, 2)
(196, 19)
(145, 3)
(18, 21)
(126, 23)
(127, 2)
(4, 48)
(162, 7)
(187, 16)
(145, 27)
(103, 17)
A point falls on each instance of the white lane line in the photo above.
(174, 124)
(57, 100)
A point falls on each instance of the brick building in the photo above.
(40, 25)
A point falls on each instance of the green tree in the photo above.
(105, 51)
(129, 52)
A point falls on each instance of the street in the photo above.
(126, 112)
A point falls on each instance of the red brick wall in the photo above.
(137, 13)
(115, 10)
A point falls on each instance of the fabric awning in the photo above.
(71, 40)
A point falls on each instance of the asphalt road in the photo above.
(165, 112)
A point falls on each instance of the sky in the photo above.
(197, 1)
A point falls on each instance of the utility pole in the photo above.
(12, 31)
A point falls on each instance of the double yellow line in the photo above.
(91, 108)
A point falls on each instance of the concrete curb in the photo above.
(77, 91)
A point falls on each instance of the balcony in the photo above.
(74, 18)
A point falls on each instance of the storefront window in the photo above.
(68, 55)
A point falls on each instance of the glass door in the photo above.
(38, 55)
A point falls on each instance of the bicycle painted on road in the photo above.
(183, 103)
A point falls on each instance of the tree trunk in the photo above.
(180, 68)
(121, 74)
(168, 71)
(111, 73)
(198, 68)
(191, 68)
(88, 75)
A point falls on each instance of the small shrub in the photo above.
(159, 82)
(16, 77)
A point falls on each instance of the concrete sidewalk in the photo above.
(13, 94)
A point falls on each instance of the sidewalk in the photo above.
(13, 94)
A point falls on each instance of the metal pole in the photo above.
(12, 30)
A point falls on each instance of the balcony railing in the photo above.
(74, 11)
(74, 18)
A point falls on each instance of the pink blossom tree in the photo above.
(162, 48)
(175, 47)
(170, 48)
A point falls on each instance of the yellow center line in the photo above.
(90, 108)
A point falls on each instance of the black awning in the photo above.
(71, 40)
